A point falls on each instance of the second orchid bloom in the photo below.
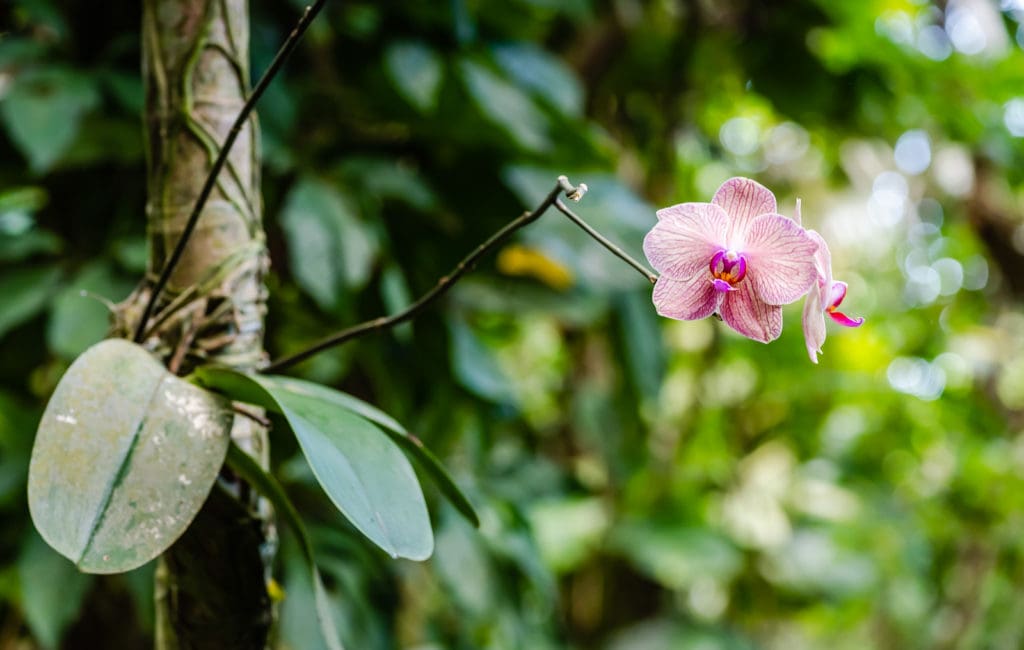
(738, 257)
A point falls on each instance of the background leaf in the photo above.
(43, 112)
(25, 293)
(475, 367)
(746, 499)
(329, 249)
(79, 321)
(546, 75)
(53, 590)
(416, 72)
(506, 107)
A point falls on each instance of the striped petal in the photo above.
(690, 299)
(823, 267)
(814, 325)
(780, 259)
(685, 238)
(743, 200)
(743, 311)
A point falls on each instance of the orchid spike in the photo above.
(824, 298)
(735, 256)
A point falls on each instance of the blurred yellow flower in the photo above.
(530, 262)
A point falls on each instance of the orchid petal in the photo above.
(743, 200)
(823, 262)
(845, 320)
(780, 259)
(837, 294)
(690, 299)
(743, 311)
(796, 213)
(814, 324)
(685, 238)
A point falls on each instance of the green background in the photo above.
(642, 483)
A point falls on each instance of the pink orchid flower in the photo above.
(735, 256)
(823, 299)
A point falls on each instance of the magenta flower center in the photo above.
(727, 268)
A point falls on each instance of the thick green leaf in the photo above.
(359, 467)
(416, 72)
(408, 442)
(329, 249)
(124, 457)
(43, 111)
(267, 485)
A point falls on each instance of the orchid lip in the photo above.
(837, 293)
(728, 267)
(722, 285)
(843, 319)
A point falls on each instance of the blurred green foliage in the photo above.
(641, 483)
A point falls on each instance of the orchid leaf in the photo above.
(267, 485)
(125, 456)
(409, 443)
(412, 446)
(363, 472)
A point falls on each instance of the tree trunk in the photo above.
(211, 585)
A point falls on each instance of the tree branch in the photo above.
(275, 66)
(442, 286)
(467, 263)
(618, 252)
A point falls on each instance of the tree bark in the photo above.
(211, 589)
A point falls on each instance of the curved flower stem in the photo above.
(442, 286)
(618, 252)
(467, 263)
(218, 164)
